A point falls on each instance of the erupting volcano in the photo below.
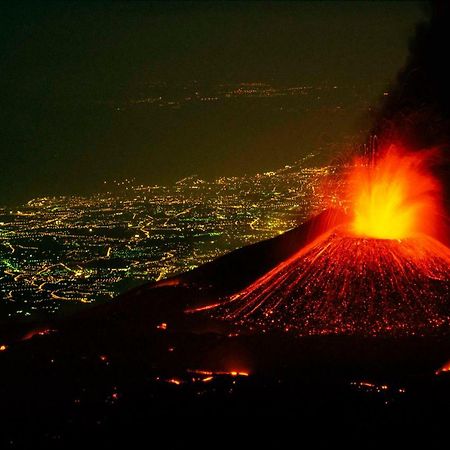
(384, 272)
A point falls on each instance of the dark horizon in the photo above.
(74, 73)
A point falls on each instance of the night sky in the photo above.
(69, 71)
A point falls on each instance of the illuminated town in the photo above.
(291, 97)
(56, 250)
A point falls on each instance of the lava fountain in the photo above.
(383, 273)
(395, 198)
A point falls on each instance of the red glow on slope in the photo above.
(37, 332)
(445, 368)
(342, 284)
(381, 274)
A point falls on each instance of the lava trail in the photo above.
(342, 284)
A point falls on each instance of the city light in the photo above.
(57, 251)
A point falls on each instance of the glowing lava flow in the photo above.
(381, 275)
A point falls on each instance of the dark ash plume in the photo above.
(417, 110)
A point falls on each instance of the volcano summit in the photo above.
(381, 274)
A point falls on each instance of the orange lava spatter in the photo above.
(396, 197)
(384, 273)
(343, 284)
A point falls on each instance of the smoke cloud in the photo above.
(417, 109)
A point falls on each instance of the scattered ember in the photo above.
(444, 368)
(382, 274)
(174, 381)
(342, 284)
(366, 386)
(233, 373)
(38, 332)
(205, 380)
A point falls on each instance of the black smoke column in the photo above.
(417, 110)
